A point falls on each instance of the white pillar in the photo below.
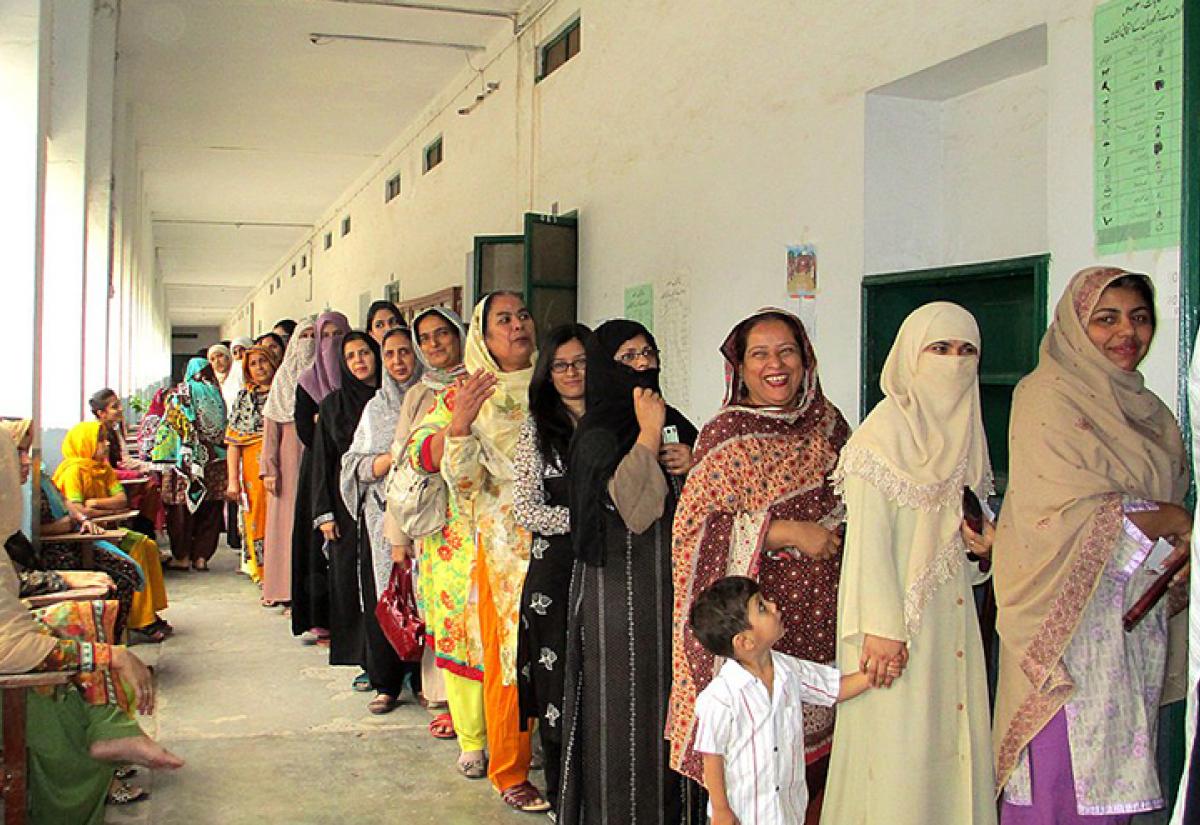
(98, 195)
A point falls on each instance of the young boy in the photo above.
(749, 723)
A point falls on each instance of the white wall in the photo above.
(696, 142)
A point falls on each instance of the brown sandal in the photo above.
(382, 703)
(526, 798)
(472, 764)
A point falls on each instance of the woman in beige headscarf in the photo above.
(1097, 475)
(919, 752)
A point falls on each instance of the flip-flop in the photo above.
(361, 683)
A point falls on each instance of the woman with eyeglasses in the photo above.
(627, 461)
(540, 501)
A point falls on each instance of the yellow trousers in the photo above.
(465, 697)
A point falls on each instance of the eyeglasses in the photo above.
(440, 333)
(649, 353)
(559, 367)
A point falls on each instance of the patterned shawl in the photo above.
(245, 425)
(192, 429)
(150, 421)
(1084, 434)
(281, 401)
(754, 465)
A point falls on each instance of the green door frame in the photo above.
(488, 240)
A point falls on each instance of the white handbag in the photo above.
(417, 500)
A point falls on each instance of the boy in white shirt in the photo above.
(749, 723)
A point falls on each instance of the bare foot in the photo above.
(140, 750)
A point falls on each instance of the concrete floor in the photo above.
(273, 734)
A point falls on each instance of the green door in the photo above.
(542, 265)
(1007, 298)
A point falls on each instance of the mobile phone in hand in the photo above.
(972, 510)
(670, 434)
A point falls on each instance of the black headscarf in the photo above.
(343, 407)
(608, 432)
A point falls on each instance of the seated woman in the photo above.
(144, 496)
(67, 560)
(85, 478)
(78, 733)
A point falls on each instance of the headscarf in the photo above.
(221, 348)
(18, 428)
(241, 341)
(373, 436)
(754, 465)
(439, 379)
(205, 399)
(1084, 434)
(924, 442)
(281, 400)
(609, 389)
(342, 409)
(79, 450)
(324, 374)
(245, 425)
(498, 424)
(23, 645)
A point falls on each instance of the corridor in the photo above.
(272, 734)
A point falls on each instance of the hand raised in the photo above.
(470, 395)
(650, 409)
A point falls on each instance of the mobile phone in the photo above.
(972, 510)
(670, 434)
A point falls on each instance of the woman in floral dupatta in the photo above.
(762, 473)
(244, 441)
(189, 446)
(1097, 474)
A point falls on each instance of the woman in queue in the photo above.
(481, 439)
(451, 666)
(85, 479)
(189, 447)
(919, 752)
(624, 484)
(243, 445)
(541, 505)
(279, 465)
(310, 569)
(337, 420)
(382, 317)
(1097, 475)
(365, 468)
(77, 734)
(759, 503)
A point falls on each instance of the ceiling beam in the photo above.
(323, 38)
(237, 224)
(399, 4)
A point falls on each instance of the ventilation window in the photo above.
(293, 270)
(304, 262)
(392, 189)
(278, 278)
(433, 154)
(560, 49)
(345, 226)
(328, 240)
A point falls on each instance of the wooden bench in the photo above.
(15, 759)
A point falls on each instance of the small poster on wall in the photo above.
(639, 304)
(802, 271)
(1138, 95)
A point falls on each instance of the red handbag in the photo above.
(396, 612)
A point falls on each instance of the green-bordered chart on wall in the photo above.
(1138, 97)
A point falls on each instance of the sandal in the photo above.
(525, 797)
(149, 635)
(125, 772)
(200, 565)
(442, 727)
(361, 683)
(382, 703)
(178, 566)
(472, 764)
(120, 793)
